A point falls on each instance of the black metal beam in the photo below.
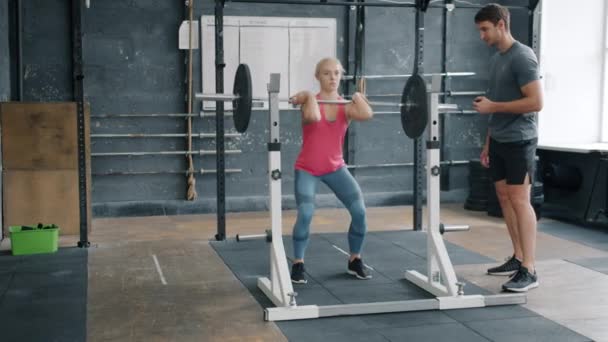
(78, 93)
(359, 41)
(446, 87)
(323, 3)
(533, 4)
(358, 64)
(350, 25)
(20, 29)
(473, 6)
(425, 4)
(15, 17)
(418, 179)
(422, 4)
(219, 121)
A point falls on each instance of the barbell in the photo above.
(413, 106)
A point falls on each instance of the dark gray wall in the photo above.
(47, 56)
(5, 76)
(132, 65)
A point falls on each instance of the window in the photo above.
(573, 54)
(605, 83)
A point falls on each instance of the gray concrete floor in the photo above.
(158, 279)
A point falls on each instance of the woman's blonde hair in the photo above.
(327, 60)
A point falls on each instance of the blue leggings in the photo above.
(343, 184)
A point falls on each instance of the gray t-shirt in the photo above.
(509, 71)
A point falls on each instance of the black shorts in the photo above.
(512, 160)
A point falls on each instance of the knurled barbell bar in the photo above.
(413, 106)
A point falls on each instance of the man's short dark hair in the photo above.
(493, 13)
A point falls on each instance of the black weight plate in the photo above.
(414, 109)
(242, 106)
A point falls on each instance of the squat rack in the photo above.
(355, 65)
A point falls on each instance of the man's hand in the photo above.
(484, 157)
(483, 105)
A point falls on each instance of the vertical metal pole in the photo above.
(359, 50)
(418, 142)
(349, 67)
(446, 86)
(279, 271)
(219, 121)
(534, 26)
(433, 172)
(441, 278)
(78, 84)
(349, 29)
(534, 23)
(360, 41)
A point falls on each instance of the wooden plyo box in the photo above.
(40, 165)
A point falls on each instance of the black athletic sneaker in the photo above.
(357, 269)
(522, 281)
(297, 273)
(511, 266)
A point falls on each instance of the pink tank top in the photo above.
(322, 143)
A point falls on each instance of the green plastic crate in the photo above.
(35, 241)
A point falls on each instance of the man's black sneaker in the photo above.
(357, 269)
(297, 273)
(522, 281)
(511, 266)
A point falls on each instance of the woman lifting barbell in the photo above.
(320, 159)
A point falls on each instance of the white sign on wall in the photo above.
(289, 46)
